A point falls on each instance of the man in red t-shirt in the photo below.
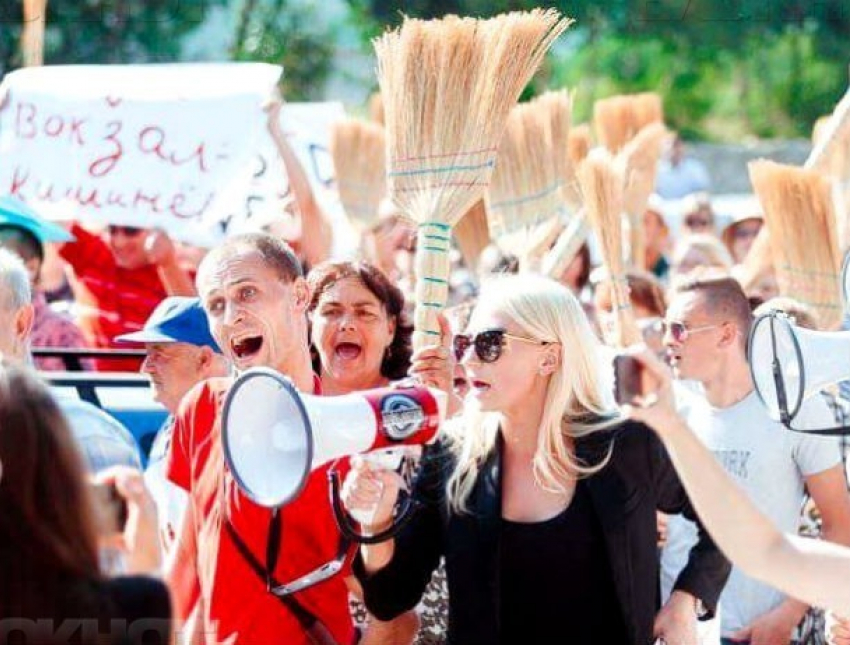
(256, 299)
(119, 278)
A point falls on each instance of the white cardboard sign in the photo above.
(139, 145)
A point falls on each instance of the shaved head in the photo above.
(722, 298)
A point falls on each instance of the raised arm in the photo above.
(316, 233)
(813, 571)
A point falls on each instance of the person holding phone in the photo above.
(813, 571)
(51, 532)
(541, 486)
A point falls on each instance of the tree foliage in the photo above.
(726, 68)
(146, 31)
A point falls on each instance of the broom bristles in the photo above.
(647, 108)
(833, 137)
(612, 120)
(640, 157)
(448, 86)
(619, 118)
(799, 213)
(526, 187)
(579, 143)
(601, 178)
(376, 108)
(358, 152)
(472, 234)
(835, 161)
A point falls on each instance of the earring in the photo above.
(388, 352)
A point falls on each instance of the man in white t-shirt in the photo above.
(706, 330)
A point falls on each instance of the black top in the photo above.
(144, 605)
(556, 579)
(130, 610)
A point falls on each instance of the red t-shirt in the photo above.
(110, 300)
(238, 606)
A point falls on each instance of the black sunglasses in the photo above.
(488, 344)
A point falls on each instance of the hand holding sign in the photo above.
(159, 248)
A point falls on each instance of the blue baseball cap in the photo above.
(176, 319)
(14, 212)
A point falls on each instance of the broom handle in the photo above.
(838, 123)
(433, 241)
(627, 332)
(555, 261)
(32, 35)
(637, 241)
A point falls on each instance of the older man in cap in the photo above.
(180, 353)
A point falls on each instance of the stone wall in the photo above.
(727, 163)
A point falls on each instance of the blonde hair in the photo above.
(577, 401)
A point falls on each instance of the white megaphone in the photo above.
(273, 435)
(789, 364)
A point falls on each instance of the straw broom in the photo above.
(618, 119)
(472, 234)
(32, 34)
(525, 199)
(799, 213)
(579, 143)
(647, 108)
(837, 165)
(358, 150)
(828, 145)
(448, 86)
(640, 157)
(601, 178)
(376, 108)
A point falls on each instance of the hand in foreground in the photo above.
(676, 623)
(657, 407)
(139, 539)
(773, 628)
(371, 492)
(837, 629)
(159, 248)
(434, 365)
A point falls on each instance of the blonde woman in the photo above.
(541, 499)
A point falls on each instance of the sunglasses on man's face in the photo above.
(487, 344)
(680, 332)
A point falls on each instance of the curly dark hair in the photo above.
(323, 276)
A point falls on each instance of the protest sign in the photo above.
(306, 127)
(138, 145)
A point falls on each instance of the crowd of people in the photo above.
(546, 511)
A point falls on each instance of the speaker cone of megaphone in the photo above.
(273, 435)
(789, 364)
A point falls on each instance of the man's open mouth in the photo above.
(246, 346)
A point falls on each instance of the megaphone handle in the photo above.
(408, 507)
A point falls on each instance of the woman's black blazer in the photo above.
(625, 494)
